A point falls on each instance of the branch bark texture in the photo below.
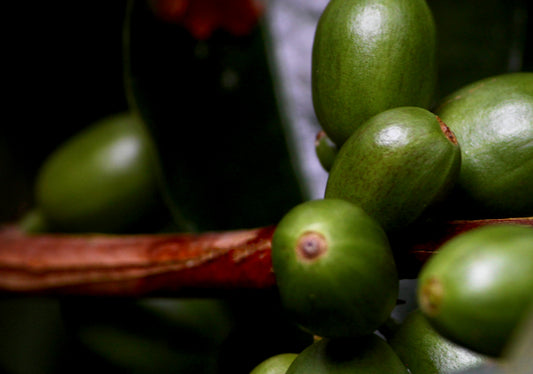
(173, 264)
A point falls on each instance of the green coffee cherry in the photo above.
(425, 351)
(277, 364)
(476, 289)
(103, 179)
(370, 56)
(493, 122)
(365, 355)
(396, 165)
(334, 269)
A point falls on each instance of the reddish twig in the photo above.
(417, 245)
(136, 265)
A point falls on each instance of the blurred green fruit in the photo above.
(101, 180)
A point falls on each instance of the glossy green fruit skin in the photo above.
(425, 351)
(369, 56)
(395, 166)
(493, 122)
(351, 288)
(277, 364)
(478, 286)
(101, 180)
(366, 355)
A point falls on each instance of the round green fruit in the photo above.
(493, 122)
(102, 179)
(277, 364)
(396, 165)
(334, 269)
(366, 355)
(369, 56)
(476, 289)
(425, 351)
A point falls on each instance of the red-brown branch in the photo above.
(134, 264)
(137, 265)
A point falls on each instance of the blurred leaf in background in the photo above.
(478, 39)
(33, 339)
(210, 107)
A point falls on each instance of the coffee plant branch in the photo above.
(176, 264)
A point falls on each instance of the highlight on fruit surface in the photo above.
(493, 121)
(477, 288)
(369, 56)
(334, 268)
(399, 163)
